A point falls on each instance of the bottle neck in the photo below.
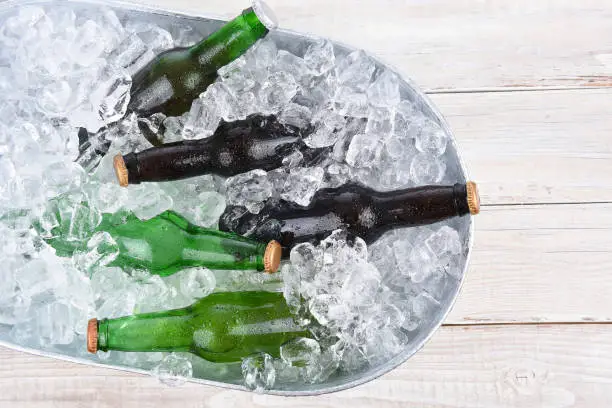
(162, 331)
(230, 41)
(172, 161)
(220, 250)
(422, 205)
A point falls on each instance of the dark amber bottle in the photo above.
(361, 211)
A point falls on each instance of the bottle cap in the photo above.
(92, 335)
(121, 170)
(272, 257)
(265, 14)
(473, 198)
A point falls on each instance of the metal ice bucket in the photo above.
(229, 376)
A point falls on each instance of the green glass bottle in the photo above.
(222, 327)
(171, 81)
(168, 243)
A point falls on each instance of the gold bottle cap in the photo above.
(473, 198)
(272, 257)
(92, 335)
(120, 170)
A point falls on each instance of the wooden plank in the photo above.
(458, 45)
(535, 147)
(539, 264)
(489, 366)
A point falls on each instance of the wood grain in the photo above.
(535, 147)
(538, 366)
(460, 45)
(539, 264)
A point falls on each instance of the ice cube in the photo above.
(118, 304)
(151, 126)
(295, 115)
(108, 196)
(153, 294)
(173, 129)
(349, 102)
(156, 38)
(112, 95)
(185, 35)
(54, 324)
(196, 283)
(240, 81)
(444, 241)
(206, 209)
(277, 91)
(384, 91)
(247, 104)
(293, 160)
(37, 276)
(291, 287)
(420, 264)
(55, 98)
(291, 64)
(202, 119)
(250, 190)
(306, 259)
(286, 374)
(24, 333)
(147, 200)
(101, 251)
(404, 117)
(391, 316)
(264, 53)
(328, 129)
(383, 344)
(300, 352)
(61, 177)
(431, 139)
(320, 57)
(232, 68)
(421, 306)
(380, 123)
(362, 284)
(353, 359)
(427, 169)
(112, 29)
(437, 283)
(364, 151)
(328, 309)
(83, 221)
(129, 53)
(259, 372)
(106, 281)
(14, 307)
(324, 367)
(173, 370)
(355, 70)
(302, 184)
(87, 47)
(22, 26)
(337, 175)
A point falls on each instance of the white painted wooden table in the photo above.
(526, 87)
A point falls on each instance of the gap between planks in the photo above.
(510, 324)
(508, 89)
(560, 203)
